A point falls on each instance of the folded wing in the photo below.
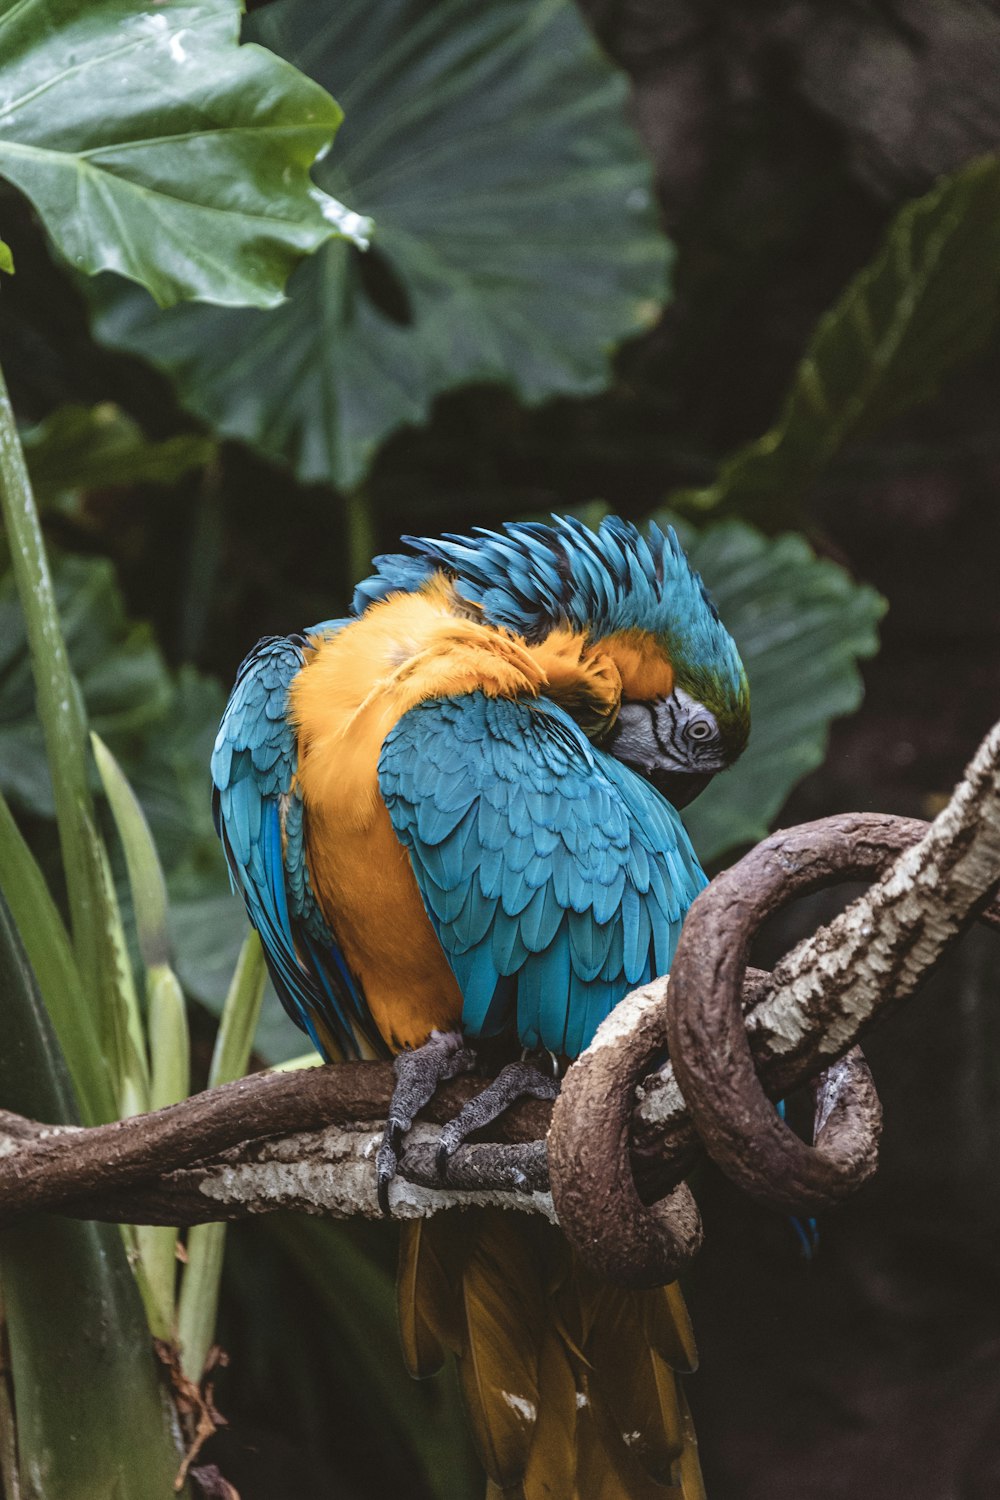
(259, 817)
(556, 879)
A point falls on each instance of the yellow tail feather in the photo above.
(571, 1385)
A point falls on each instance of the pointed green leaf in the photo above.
(117, 1004)
(197, 1306)
(516, 234)
(153, 145)
(166, 1019)
(928, 300)
(92, 1417)
(801, 624)
(145, 877)
(6, 259)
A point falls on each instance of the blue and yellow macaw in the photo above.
(452, 818)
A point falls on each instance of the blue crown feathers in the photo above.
(530, 578)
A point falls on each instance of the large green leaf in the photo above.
(6, 259)
(153, 145)
(92, 1418)
(801, 624)
(516, 236)
(928, 300)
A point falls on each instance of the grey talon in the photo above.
(418, 1074)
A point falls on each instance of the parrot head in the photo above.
(684, 708)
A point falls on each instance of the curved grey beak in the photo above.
(681, 787)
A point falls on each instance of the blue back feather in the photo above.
(259, 818)
(556, 879)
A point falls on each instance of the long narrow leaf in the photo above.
(145, 877)
(124, 1036)
(199, 1299)
(166, 1020)
(169, 1082)
(59, 705)
(93, 1420)
(51, 956)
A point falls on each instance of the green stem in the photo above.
(199, 1299)
(60, 707)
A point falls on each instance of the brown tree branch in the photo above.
(306, 1140)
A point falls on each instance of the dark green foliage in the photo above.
(515, 234)
(927, 301)
(90, 1406)
(103, 104)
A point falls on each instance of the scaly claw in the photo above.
(518, 1080)
(418, 1074)
(386, 1163)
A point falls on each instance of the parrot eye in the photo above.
(700, 729)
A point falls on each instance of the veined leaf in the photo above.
(928, 300)
(153, 145)
(516, 236)
(92, 1419)
(801, 624)
(91, 447)
(6, 259)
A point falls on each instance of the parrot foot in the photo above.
(518, 1080)
(418, 1075)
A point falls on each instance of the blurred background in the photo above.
(607, 261)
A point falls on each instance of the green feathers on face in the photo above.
(726, 695)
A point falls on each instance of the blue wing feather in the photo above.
(556, 879)
(259, 818)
